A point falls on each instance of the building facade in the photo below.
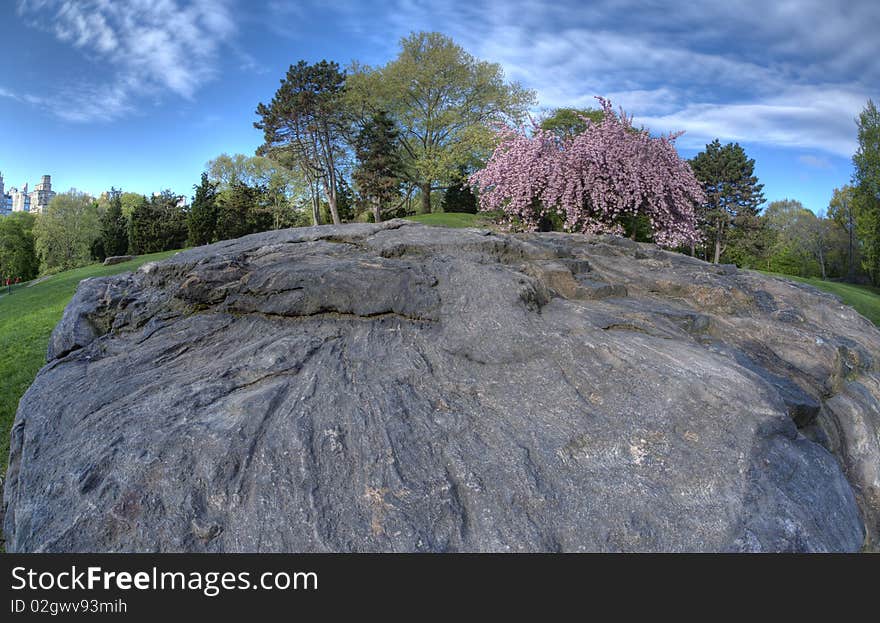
(21, 200)
(5, 207)
(41, 195)
(36, 200)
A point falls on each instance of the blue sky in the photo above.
(140, 94)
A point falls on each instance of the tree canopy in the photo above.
(378, 171)
(18, 255)
(866, 182)
(306, 120)
(601, 180)
(444, 103)
(731, 188)
(64, 234)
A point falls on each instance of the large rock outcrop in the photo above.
(395, 387)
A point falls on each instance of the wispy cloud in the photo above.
(815, 162)
(780, 73)
(143, 47)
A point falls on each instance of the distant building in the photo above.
(5, 200)
(42, 195)
(23, 200)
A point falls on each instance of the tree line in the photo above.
(842, 241)
(436, 128)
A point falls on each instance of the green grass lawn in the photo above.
(451, 219)
(27, 318)
(865, 299)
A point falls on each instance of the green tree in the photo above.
(18, 255)
(443, 101)
(569, 122)
(749, 242)
(158, 224)
(64, 234)
(732, 191)
(866, 181)
(459, 198)
(129, 202)
(234, 213)
(285, 188)
(114, 227)
(843, 210)
(786, 255)
(803, 243)
(202, 217)
(377, 175)
(305, 121)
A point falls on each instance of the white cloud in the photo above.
(781, 73)
(815, 117)
(148, 47)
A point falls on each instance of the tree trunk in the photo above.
(718, 234)
(377, 211)
(822, 263)
(851, 272)
(330, 191)
(693, 248)
(635, 221)
(316, 206)
(425, 188)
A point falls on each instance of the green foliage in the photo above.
(63, 236)
(18, 255)
(459, 197)
(305, 122)
(443, 101)
(378, 172)
(201, 220)
(114, 227)
(158, 224)
(241, 211)
(749, 242)
(129, 202)
(27, 318)
(843, 209)
(732, 191)
(866, 182)
(285, 190)
(569, 122)
(802, 243)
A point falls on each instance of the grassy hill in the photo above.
(865, 299)
(451, 219)
(27, 318)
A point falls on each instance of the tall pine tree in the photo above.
(866, 181)
(733, 194)
(114, 227)
(304, 122)
(202, 217)
(377, 174)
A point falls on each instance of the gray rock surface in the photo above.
(118, 259)
(396, 387)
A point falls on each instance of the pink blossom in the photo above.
(595, 181)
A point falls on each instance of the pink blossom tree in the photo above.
(596, 181)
